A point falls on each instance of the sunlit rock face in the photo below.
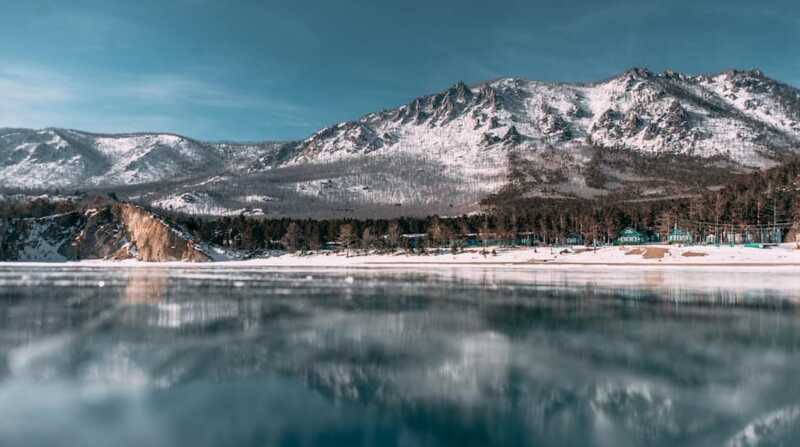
(117, 231)
(151, 239)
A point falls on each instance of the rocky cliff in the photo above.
(114, 231)
(151, 239)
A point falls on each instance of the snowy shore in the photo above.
(785, 255)
(651, 255)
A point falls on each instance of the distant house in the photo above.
(574, 239)
(415, 240)
(487, 240)
(734, 237)
(679, 236)
(527, 238)
(629, 236)
(332, 246)
(471, 240)
(773, 235)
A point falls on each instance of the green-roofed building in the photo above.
(629, 236)
(574, 238)
(679, 236)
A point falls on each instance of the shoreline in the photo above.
(784, 257)
(528, 266)
(598, 264)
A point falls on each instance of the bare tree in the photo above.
(347, 236)
(368, 238)
(485, 234)
(393, 234)
(665, 222)
(292, 238)
(438, 232)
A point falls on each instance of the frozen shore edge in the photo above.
(785, 257)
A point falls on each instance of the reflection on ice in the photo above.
(27, 360)
(771, 429)
(480, 364)
(443, 357)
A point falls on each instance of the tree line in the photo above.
(757, 199)
(760, 198)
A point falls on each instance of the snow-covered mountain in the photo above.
(51, 158)
(738, 118)
(738, 114)
(650, 133)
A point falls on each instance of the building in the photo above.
(574, 239)
(471, 240)
(332, 246)
(679, 236)
(527, 239)
(415, 240)
(629, 236)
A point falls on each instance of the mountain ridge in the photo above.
(555, 139)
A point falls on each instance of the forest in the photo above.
(759, 199)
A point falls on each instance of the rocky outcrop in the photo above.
(44, 239)
(152, 240)
(116, 231)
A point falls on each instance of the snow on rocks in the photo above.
(471, 132)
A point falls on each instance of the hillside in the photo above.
(110, 231)
(63, 158)
(639, 134)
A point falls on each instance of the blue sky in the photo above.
(255, 70)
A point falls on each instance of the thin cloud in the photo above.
(35, 96)
(177, 89)
(26, 85)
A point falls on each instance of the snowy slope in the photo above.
(640, 132)
(559, 136)
(742, 115)
(50, 158)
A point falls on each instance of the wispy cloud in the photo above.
(177, 89)
(26, 85)
(36, 96)
(181, 90)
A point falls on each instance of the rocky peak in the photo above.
(753, 73)
(452, 102)
(637, 73)
(487, 97)
(460, 92)
(635, 76)
(674, 75)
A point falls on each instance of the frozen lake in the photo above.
(254, 357)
